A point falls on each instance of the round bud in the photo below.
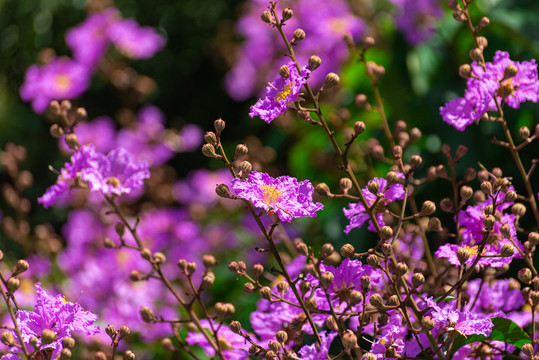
(159, 258)
(355, 297)
(110, 330)
(486, 187)
(393, 300)
(401, 269)
(524, 132)
(327, 250)
(386, 233)
(249, 288)
(482, 42)
(415, 134)
(8, 338)
(167, 344)
(281, 336)
(267, 17)
(369, 356)
(476, 54)
(332, 80)
(284, 72)
(362, 102)
(387, 249)
(446, 204)
(146, 253)
(72, 141)
(528, 350)
(428, 208)
(191, 268)
(274, 346)
(235, 326)
(365, 283)
(299, 35)
(463, 254)
(302, 248)
(311, 304)
(13, 284)
(323, 189)
(124, 331)
(282, 287)
(349, 340)
(465, 71)
(129, 355)
(376, 71)
(100, 356)
(416, 161)
(373, 261)
(253, 350)
(393, 178)
(518, 210)
(48, 336)
(427, 323)
(208, 260)
(287, 14)
(56, 131)
(348, 251)
(326, 279)
(68, 342)
(345, 184)
(258, 270)
(461, 151)
(297, 323)
(265, 293)
(270, 355)
(368, 42)
(208, 280)
(146, 314)
(377, 301)
(331, 324)
(210, 138)
(525, 275)
(418, 279)
(359, 127)
(434, 224)
(65, 354)
(533, 238)
(22, 266)
(182, 264)
(314, 62)
(304, 286)
(507, 250)
(373, 187)
(466, 192)
(510, 196)
(208, 150)
(489, 221)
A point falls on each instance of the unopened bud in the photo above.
(56, 131)
(159, 258)
(510, 196)
(311, 304)
(533, 238)
(355, 297)
(68, 342)
(525, 275)
(428, 208)
(401, 269)
(415, 134)
(369, 356)
(507, 250)
(182, 264)
(332, 80)
(110, 330)
(8, 338)
(397, 151)
(373, 261)
(65, 354)
(435, 224)
(348, 251)
(489, 221)
(393, 300)
(349, 340)
(386, 233)
(518, 210)
(368, 42)
(265, 293)
(377, 301)
(446, 204)
(528, 350)
(208, 260)
(48, 336)
(331, 324)
(476, 54)
(418, 279)
(463, 254)
(99, 356)
(129, 355)
(304, 287)
(302, 248)
(22, 266)
(465, 71)
(299, 35)
(326, 279)
(524, 132)
(266, 17)
(270, 355)
(427, 323)
(13, 284)
(281, 336)
(345, 184)
(486, 187)
(387, 249)
(323, 189)
(208, 280)
(365, 283)
(466, 192)
(249, 288)
(284, 72)
(362, 102)
(282, 287)
(359, 127)
(124, 331)
(482, 42)
(210, 138)
(327, 250)
(72, 141)
(416, 161)
(287, 14)
(147, 314)
(314, 62)
(167, 344)
(219, 126)
(274, 346)
(485, 21)
(297, 323)
(375, 70)
(208, 150)
(235, 326)
(393, 178)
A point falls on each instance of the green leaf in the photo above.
(503, 330)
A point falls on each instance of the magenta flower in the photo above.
(135, 41)
(284, 196)
(310, 352)
(89, 40)
(56, 314)
(357, 213)
(417, 19)
(235, 347)
(63, 78)
(447, 318)
(279, 94)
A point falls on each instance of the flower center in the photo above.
(338, 25)
(287, 91)
(270, 193)
(63, 81)
(114, 181)
(473, 249)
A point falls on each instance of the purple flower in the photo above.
(280, 93)
(135, 41)
(417, 19)
(89, 40)
(56, 314)
(490, 255)
(62, 78)
(100, 132)
(462, 322)
(486, 86)
(116, 173)
(310, 352)
(234, 346)
(284, 196)
(387, 194)
(391, 335)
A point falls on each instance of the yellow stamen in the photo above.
(114, 181)
(287, 91)
(63, 81)
(270, 194)
(473, 249)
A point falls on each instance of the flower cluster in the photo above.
(283, 196)
(51, 313)
(65, 78)
(501, 82)
(113, 174)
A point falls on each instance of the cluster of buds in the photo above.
(64, 117)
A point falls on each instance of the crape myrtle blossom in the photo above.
(417, 19)
(234, 346)
(135, 41)
(113, 174)
(391, 337)
(310, 352)
(499, 83)
(260, 54)
(279, 93)
(51, 313)
(356, 212)
(283, 196)
(62, 78)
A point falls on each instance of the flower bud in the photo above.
(373, 261)
(284, 72)
(418, 279)
(47, 336)
(208, 150)
(109, 243)
(297, 323)
(235, 326)
(65, 354)
(533, 238)
(377, 301)
(463, 254)
(428, 208)
(345, 184)
(348, 251)
(368, 42)
(476, 54)
(208, 260)
(434, 224)
(299, 35)
(393, 178)
(249, 288)
(386, 233)
(349, 340)
(267, 17)
(362, 102)
(265, 293)
(314, 62)
(68, 342)
(72, 141)
(159, 258)
(281, 336)
(270, 355)
(210, 138)
(486, 187)
(56, 131)
(124, 331)
(146, 314)
(233, 267)
(100, 356)
(13, 284)
(427, 323)
(507, 250)
(365, 283)
(182, 264)
(282, 287)
(369, 356)
(167, 344)
(311, 304)
(331, 324)
(332, 80)
(482, 42)
(302, 248)
(518, 210)
(525, 275)
(376, 71)
(191, 268)
(528, 350)
(373, 187)
(110, 330)
(323, 189)
(466, 192)
(465, 71)
(359, 127)
(326, 279)
(355, 297)
(274, 346)
(8, 338)
(253, 350)
(208, 280)
(397, 151)
(327, 250)
(489, 221)
(304, 287)
(524, 132)
(22, 266)
(446, 204)
(287, 14)
(387, 249)
(393, 300)
(416, 161)
(129, 355)
(401, 269)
